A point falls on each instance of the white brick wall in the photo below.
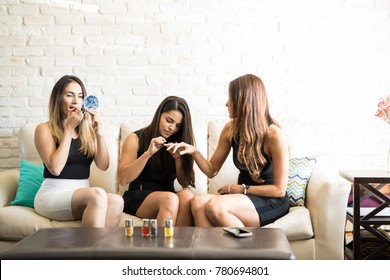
(324, 63)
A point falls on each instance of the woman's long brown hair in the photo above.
(185, 134)
(250, 120)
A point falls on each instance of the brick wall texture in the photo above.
(325, 63)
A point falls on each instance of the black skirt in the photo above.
(133, 198)
(270, 209)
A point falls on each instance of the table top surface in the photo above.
(351, 175)
(187, 243)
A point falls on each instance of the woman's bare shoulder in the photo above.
(275, 140)
(42, 127)
(227, 127)
(275, 133)
(226, 130)
(131, 139)
(132, 135)
(274, 130)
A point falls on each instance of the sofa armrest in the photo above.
(9, 180)
(326, 199)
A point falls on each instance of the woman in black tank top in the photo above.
(260, 152)
(67, 145)
(150, 170)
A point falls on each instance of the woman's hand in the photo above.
(155, 145)
(96, 120)
(175, 154)
(178, 149)
(227, 189)
(73, 119)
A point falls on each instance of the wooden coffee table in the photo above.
(187, 243)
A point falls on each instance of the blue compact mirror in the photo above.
(91, 102)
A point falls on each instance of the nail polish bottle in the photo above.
(145, 227)
(153, 227)
(129, 230)
(169, 229)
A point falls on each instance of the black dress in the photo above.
(268, 208)
(150, 179)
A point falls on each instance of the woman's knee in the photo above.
(115, 202)
(185, 196)
(98, 196)
(168, 201)
(198, 203)
(214, 208)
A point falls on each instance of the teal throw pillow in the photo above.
(299, 176)
(30, 180)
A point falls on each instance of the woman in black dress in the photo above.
(260, 152)
(150, 170)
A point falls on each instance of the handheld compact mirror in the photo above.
(91, 102)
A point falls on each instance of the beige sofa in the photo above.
(315, 231)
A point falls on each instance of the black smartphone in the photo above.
(237, 232)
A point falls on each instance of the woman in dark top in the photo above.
(150, 170)
(260, 152)
(67, 145)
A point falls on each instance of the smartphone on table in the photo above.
(237, 232)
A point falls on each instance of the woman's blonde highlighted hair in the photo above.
(250, 120)
(56, 117)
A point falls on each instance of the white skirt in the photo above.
(54, 198)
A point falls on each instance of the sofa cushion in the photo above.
(108, 179)
(18, 222)
(30, 180)
(126, 128)
(9, 180)
(298, 178)
(228, 172)
(27, 150)
(296, 224)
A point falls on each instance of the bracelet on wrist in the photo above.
(246, 187)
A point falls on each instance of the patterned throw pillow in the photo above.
(298, 178)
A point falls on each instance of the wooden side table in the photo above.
(366, 183)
